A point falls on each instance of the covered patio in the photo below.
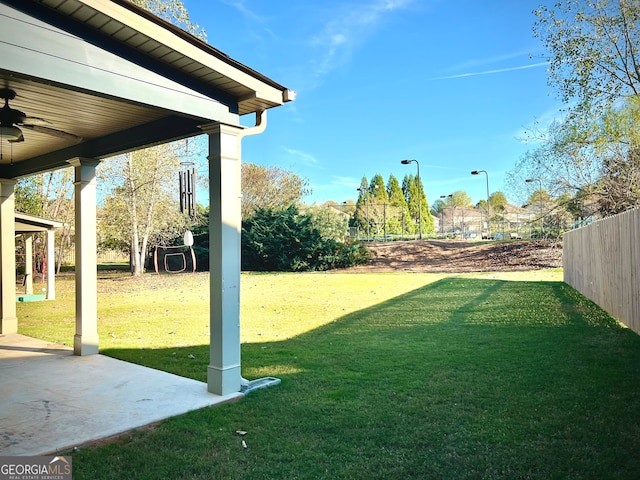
(53, 401)
(82, 81)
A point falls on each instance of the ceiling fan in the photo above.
(12, 120)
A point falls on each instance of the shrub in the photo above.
(285, 240)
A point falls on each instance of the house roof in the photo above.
(26, 223)
(102, 77)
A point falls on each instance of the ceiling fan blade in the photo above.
(33, 121)
(53, 132)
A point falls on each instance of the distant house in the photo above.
(471, 223)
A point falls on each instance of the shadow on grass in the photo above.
(463, 378)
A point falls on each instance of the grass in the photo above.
(383, 376)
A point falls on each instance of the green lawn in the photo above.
(383, 376)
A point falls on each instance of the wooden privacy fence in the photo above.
(103, 256)
(602, 260)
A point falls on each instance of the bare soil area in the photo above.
(451, 256)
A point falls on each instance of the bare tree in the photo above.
(271, 188)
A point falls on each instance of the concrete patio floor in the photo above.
(52, 401)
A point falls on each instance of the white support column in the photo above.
(28, 264)
(51, 264)
(9, 320)
(85, 341)
(225, 222)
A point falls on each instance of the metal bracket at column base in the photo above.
(249, 386)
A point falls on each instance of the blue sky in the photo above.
(453, 84)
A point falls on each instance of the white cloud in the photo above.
(490, 72)
(244, 10)
(346, 181)
(479, 62)
(342, 34)
(302, 157)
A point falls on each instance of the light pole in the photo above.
(407, 162)
(477, 172)
(539, 180)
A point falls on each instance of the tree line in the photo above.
(391, 209)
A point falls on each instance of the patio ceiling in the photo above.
(115, 78)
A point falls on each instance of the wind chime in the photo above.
(187, 178)
(180, 258)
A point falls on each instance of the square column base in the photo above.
(8, 325)
(224, 381)
(85, 345)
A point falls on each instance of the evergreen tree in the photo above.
(285, 240)
(410, 190)
(406, 186)
(428, 225)
(394, 192)
(378, 190)
(361, 215)
(379, 204)
(399, 211)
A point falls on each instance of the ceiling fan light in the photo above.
(10, 133)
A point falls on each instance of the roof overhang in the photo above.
(116, 78)
(26, 223)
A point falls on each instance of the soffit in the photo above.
(135, 28)
(81, 114)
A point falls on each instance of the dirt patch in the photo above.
(451, 256)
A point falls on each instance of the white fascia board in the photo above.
(174, 42)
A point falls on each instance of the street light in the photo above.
(477, 172)
(407, 162)
(539, 180)
(530, 180)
